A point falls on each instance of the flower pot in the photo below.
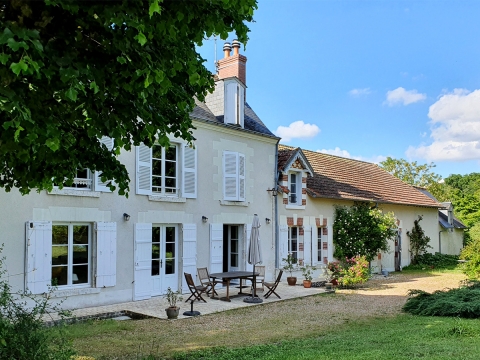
(307, 283)
(172, 312)
(334, 282)
(291, 280)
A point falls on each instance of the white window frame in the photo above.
(163, 161)
(298, 188)
(292, 252)
(70, 245)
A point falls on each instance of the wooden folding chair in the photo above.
(205, 280)
(260, 278)
(271, 286)
(196, 290)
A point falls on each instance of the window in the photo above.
(81, 181)
(233, 176)
(163, 250)
(319, 245)
(70, 254)
(295, 187)
(234, 103)
(165, 170)
(167, 173)
(293, 242)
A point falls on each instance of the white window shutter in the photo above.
(248, 232)
(144, 170)
(216, 248)
(142, 287)
(189, 173)
(241, 177)
(99, 184)
(230, 175)
(189, 258)
(283, 242)
(38, 270)
(307, 245)
(241, 107)
(315, 232)
(230, 102)
(106, 266)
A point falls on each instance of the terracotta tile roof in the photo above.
(341, 178)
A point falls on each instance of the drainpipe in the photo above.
(440, 241)
(275, 179)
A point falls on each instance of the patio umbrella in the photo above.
(254, 252)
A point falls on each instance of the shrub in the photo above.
(351, 272)
(418, 240)
(462, 302)
(434, 261)
(23, 335)
(471, 253)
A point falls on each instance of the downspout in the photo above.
(275, 184)
(440, 241)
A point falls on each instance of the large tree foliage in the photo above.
(361, 230)
(411, 172)
(74, 71)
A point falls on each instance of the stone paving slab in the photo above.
(155, 307)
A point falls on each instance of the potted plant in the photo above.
(335, 270)
(290, 261)
(307, 272)
(172, 297)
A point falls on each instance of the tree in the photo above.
(411, 172)
(419, 242)
(74, 72)
(361, 230)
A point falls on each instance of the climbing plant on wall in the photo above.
(418, 240)
(361, 230)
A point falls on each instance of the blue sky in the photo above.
(368, 79)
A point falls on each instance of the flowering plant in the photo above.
(356, 271)
(335, 269)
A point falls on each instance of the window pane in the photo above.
(59, 255)
(170, 250)
(157, 182)
(234, 232)
(294, 232)
(171, 153)
(82, 174)
(170, 234)
(59, 275)
(155, 234)
(170, 266)
(171, 184)
(156, 251)
(155, 267)
(80, 254)
(234, 246)
(157, 152)
(80, 274)
(59, 234)
(170, 169)
(80, 234)
(234, 260)
(157, 167)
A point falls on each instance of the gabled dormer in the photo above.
(227, 102)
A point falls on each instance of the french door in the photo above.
(164, 258)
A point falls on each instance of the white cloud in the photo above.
(455, 128)
(402, 96)
(344, 153)
(359, 92)
(297, 130)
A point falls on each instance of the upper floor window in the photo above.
(81, 181)
(167, 172)
(233, 176)
(234, 104)
(295, 187)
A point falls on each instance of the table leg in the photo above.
(213, 289)
(228, 287)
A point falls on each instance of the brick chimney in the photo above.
(232, 65)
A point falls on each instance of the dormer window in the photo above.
(234, 103)
(295, 187)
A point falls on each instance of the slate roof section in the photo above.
(443, 220)
(251, 121)
(347, 179)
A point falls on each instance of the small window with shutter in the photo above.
(234, 176)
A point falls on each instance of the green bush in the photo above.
(471, 253)
(355, 272)
(434, 261)
(462, 302)
(23, 334)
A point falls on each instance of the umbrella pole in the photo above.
(254, 292)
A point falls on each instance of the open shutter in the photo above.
(143, 262)
(330, 242)
(248, 232)
(230, 175)
(99, 184)
(144, 170)
(106, 254)
(189, 173)
(189, 258)
(230, 102)
(241, 177)
(39, 256)
(307, 245)
(216, 248)
(283, 243)
(315, 260)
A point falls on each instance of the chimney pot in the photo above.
(236, 46)
(226, 49)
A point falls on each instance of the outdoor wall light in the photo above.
(204, 219)
(274, 191)
(126, 217)
(267, 220)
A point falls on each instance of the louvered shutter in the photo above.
(307, 245)
(106, 266)
(144, 170)
(283, 243)
(99, 184)
(230, 102)
(230, 176)
(189, 258)
(38, 270)
(315, 232)
(216, 248)
(189, 173)
(248, 232)
(142, 287)
(241, 177)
